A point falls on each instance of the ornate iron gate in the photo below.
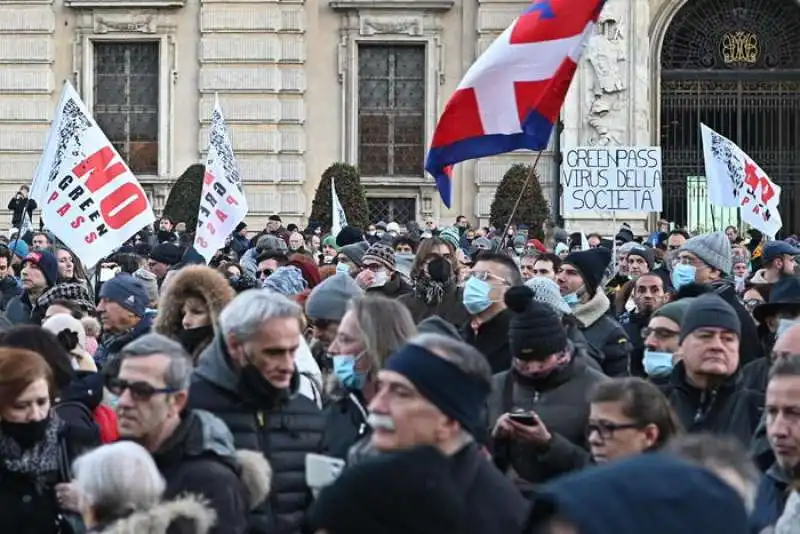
(735, 66)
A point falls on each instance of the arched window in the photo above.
(735, 66)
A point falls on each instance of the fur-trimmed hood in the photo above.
(159, 518)
(196, 281)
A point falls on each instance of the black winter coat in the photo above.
(561, 400)
(198, 459)
(345, 424)
(24, 509)
(492, 504)
(633, 324)
(9, 288)
(728, 409)
(284, 427)
(492, 340)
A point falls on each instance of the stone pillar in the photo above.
(27, 85)
(253, 56)
(609, 101)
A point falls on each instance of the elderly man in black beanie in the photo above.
(538, 410)
(432, 391)
(703, 388)
(580, 279)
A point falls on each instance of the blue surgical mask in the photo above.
(682, 274)
(476, 296)
(344, 367)
(342, 268)
(572, 300)
(657, 363)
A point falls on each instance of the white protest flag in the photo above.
(734, 179)
(719, 183)
(339, 218)
(89, 197)
(223, 204)
(584, 242)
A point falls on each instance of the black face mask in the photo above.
(26, 434)
(194, 337)
(260, 391)
(440, 270)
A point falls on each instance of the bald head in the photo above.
(788, 342)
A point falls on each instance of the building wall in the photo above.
(286, 74)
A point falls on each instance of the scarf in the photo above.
(37, 461)
(430, 291)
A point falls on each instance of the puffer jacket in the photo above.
(284, 427)
(198, 282)
(605, 335)
(199, 459)
(561, 402)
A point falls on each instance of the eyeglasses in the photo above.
(751, 304)
(486, 276)
(660, 332)
(265, 273)
(140, 391)
(606, 429)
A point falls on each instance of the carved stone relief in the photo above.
(125, 23)
(607, 99)
(372, 25)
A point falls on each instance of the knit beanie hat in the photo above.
(269, 242)
(535, 331)
(166, 253)
(436, 325)
(329, 299)
(709, 310)
(643, 252)
(330, 241)
(714, 249)
(625, 234)
(547, 292)
(417, 495)
(452, 236)
(150, 283)
(591, 264)
(349, 235)
(126, 291)
(45, 262)
(355, 252)
(381, 254)
(19, 248)
(287, 280)
(674, 311)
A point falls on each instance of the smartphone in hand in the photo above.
(523, 418)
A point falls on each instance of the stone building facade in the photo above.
(305, 83)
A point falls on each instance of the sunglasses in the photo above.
(140, 391)
(265, 273)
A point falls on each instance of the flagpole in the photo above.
(531, 174)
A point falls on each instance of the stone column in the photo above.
(609, 101)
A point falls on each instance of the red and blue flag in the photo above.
(512, 95)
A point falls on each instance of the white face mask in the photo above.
(381, 277)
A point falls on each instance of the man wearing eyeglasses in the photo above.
(660, 338)
(487, 329)
(248, 378)
(193, 450)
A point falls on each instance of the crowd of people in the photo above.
(458, 380)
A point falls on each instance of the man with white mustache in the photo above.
(433, 391)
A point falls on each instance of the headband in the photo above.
(456, 394)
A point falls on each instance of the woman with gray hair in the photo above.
(372, 328)
(120, 491)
